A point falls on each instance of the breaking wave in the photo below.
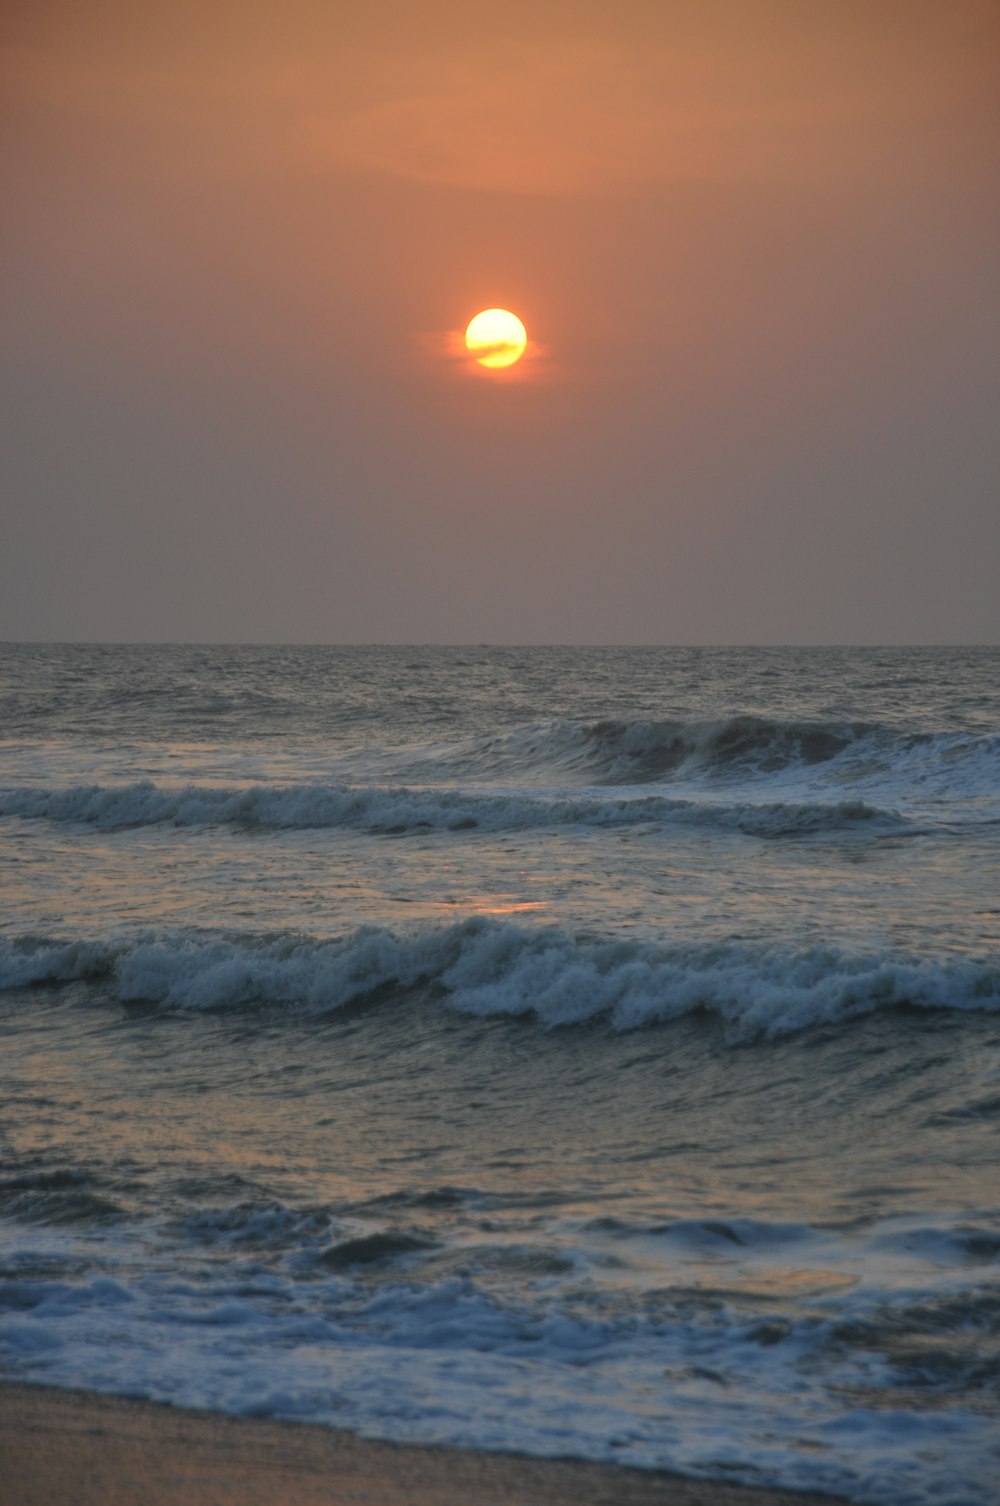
(393, 812)
(490, 968)
(644, 752)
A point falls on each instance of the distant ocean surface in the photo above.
(590, 1052)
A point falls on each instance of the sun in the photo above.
(496, 338)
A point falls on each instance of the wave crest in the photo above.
(737, 747)
(489, 968)
(393, 812)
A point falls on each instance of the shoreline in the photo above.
(96, 1449)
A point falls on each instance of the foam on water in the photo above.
(390, 811)
(678, 1374)
(743, 749)
(488, 967)
(692, 1164)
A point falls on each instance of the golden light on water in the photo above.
(496, 338)
(494, 904)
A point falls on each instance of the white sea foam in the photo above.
(735, 748)
(390, 811)
(705, 1387)
(491, 968)
(646, 1247)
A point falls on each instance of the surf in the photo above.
(490, 968)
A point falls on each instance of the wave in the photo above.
(491, 968)
(643, 752)
(56, 1197)
(394, 812)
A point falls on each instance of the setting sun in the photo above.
(496, 338)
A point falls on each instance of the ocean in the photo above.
(591, 1052)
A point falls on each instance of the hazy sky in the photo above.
(755, 244)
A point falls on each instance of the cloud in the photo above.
(601, 116)
(672, 93)
(447, 351)
(588, 118)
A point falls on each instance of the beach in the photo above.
(58, 1447)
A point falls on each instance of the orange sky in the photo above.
(756, 245)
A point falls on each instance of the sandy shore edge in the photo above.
(83, 1448)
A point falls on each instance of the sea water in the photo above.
(590, 1052)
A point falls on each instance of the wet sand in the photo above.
(79, 1448)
